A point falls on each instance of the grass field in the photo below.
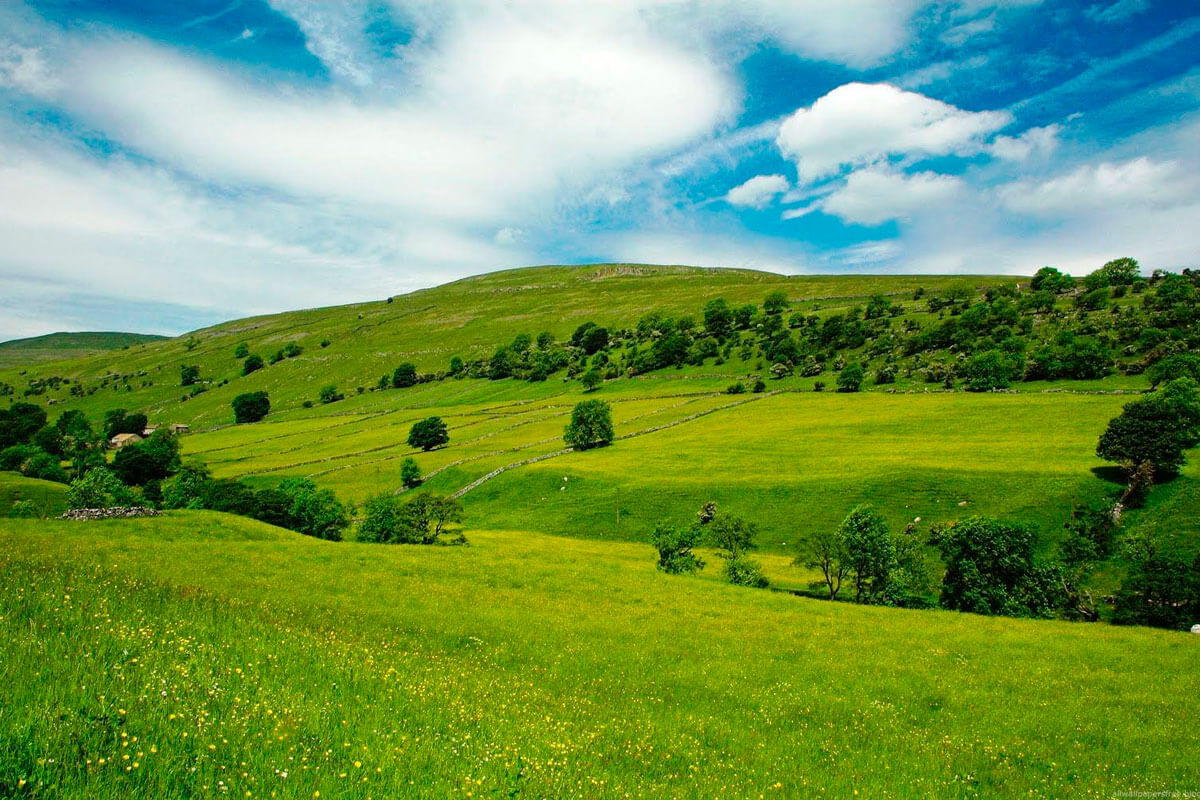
(200, 655)
(60, 346)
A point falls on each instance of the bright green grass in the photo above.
(59, 346)
(49, 498)
(198, 655)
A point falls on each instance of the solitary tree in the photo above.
(388, 519)
(410, 473)
(591, 425)
(189, 375)
(776, 302)
(850, 378)
(1156, 429)
(826, 550)
(253, 363)
(591, 379)
(251, 406)
(428, 434)
(675, 547)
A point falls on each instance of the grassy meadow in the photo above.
(204, 655)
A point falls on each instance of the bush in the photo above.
(313, 511)
(759, 386)
(189, 375)
(19, 423)
(850, 378)
(675, 548)
(330, 394)
(404, 376)
(242, 350)
(410, 473)
(885, 375)
(744, 571)
(1162, 590)
(428, 434)
(590, 426)
(154, 459)
(736, 388)
(989, 370)
(251, 407)
(252, 364)
(388, 520)
(99, 488)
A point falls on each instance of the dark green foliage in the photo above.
(594, 340)
(760, 386)
(733, 536)
(850, 378)
(991, 369)
(736, 388)
(405, 375)
(869, 552)
(251, 406)
(154, 459)
(885, 374)
(1179, 365)
(330, 394)
(1118, 272)
(718, 319)
(429, 433)
(675, 548)
(410, 473)
(44, 466)
(991, 569)
(776, 302)
(19, 422)
(456, 366)
(591, 379)
(590, 426)
(743, 316)
(253, 363)
(1049, 279)
(99, 488)
(51, 439)
(742, 570)
(1093, 300)
(1156, 429)
(1162, 590)
(242, 350)
(389, 520)
(117, 421)
(189, 375)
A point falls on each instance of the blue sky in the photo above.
(165, 166)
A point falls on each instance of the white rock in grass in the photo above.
(1196, 629)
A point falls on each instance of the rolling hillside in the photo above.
(199, 654)
(60, 346)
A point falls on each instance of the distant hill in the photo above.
(64, 345)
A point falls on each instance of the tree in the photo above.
(410, 473)
(675, 547)
(1118, 272)
(718, 319)
(242, 350)
(456, 366)
(991, 569)
(733, 536)
(826, 550)
(19, 423)
(850, 378)
(1156, 429)
(594, 340)
(428, 434)
(1178, 365)
(152, 460)
(1162, 590)
(330, 394)
(404, 376)
(99, 488)
(745, 571)
(590, 426)
(253, 363)
(1048, 279)
(776, 302)
(869, 553)
(591, 379)
(251, 406)
(189, 375)
(422, 520)
(117, 421)
(315, 512)
(989, 370)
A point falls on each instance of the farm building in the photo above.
(122, 439)
(179, 428)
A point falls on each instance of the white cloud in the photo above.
(758, 192)
(1032, 142)
(875, 195)
(859, 124)
(1140, 183)
(1119, 11)
(25, 69)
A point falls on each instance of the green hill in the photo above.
(60, 346)
(198, 654)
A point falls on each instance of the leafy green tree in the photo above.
(825, 550)
(1118, 272)
(19, 422)
(1093, 300)
(991, 569)
(989, 370)
(1178, 365)
(732, 536)
(317, 512)
(870, 553)
(744, 315)
(404, 376)
(1156, 429)
(330, 394)
(675, 546)
(242, 350)
(51, 440)
(251, 406)
(189, 375)
(594, 340)
(1162, 590)
(776, 302)
(718, 319)
(1048, 279)
(117, 421)
(429, 433)
(742, 570)
(390, 520)
(591, 379)
(410, 473)
(850, 378)
(456, 366)
(99, 488)
(591, 425)
(253, 363)
(154, 459)
(185, 488)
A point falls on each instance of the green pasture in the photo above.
(203, 655)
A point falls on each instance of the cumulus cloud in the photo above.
(758, 192)
(858, 124)
(25, 69)
(876, 195)
(1137, 183)
(1033, 142)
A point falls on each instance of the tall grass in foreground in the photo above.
(201, 655)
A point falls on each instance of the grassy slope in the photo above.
(59, 346)
(49, 498)
(198, 654)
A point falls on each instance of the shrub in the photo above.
(313, 511)
(154, 459)
(19, 423)
(251, 407)
(99, 488)
(760, 386)
(410, 473)
(590, 426)
(675, 548)
(422, 520)
(428, 434)
(189, 375)
(850, 378)
(252, 363)
(404, 376)
(776, 302)
(1161, 590)
(330, 394)
(736, 388)
(885, 374)
(242, 350)
(989, 370)
(744, 571)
